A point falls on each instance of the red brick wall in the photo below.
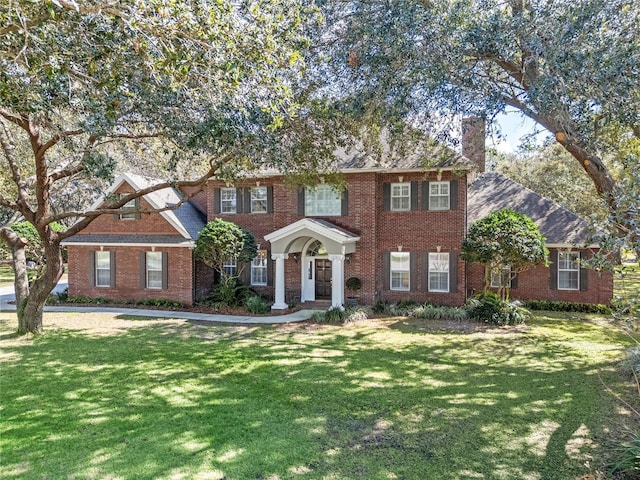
(148, 223)
(379, 231)
(180, 277)
(535, 285)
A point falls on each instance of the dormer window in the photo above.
(129, 209)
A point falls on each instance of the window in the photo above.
(400, 196)
(259, 200)
(322, 200)
(228, 200)
(400, 265)
(154, 269)
(438, 195)
(568, 270)
(259, 268)
(230, 266)
(438, 272)
(130, 207)
(501, 277)
(103, 269)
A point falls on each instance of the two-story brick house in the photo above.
(398, 228)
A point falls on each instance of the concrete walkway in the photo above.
(7, 295)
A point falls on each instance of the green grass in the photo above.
(394, 399)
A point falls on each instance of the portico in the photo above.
(320, 247)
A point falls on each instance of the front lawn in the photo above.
(99, 396)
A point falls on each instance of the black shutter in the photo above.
(216, 200)
(414, 195)
(247, 200)
(301, 202)
(165, 270)
(269, 269)
(553, 270)
(453, 195)
(136, 203)
(92, 268)
(269, 199)
(453, 272)
(425, 195)
(425, 271)
(413, 271)
(112, 269)
(386, 196)
(584, 273)
(143, 269)
(239, 200)
(386, 270)
(344, 207)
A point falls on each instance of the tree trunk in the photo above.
(21, 281)
(31, 315)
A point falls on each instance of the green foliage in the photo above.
(229, 293)
(340, 316)
(626, 458)
(149, 302)
(549, 170)
(559, 306)
(219, 241)
(353, 284)
(439, 312)
(490, 308)
(505, 239)
(256, 304)
(33, 249)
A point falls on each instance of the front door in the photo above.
(323, 279)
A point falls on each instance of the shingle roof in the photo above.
(116, 239)
(493, 191)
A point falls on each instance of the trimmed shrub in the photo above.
(439, 312)
(490, 308)
(557, 306)
(256, 304)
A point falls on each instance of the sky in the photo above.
(514, 128)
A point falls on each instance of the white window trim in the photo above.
(108, 255)
(147, 270)
(448, 196)
(433, 260)
(407, 271)
(577, 255)
(310, 198)
(262, 267)
(399, 186)
(234, 205)
(255, 200)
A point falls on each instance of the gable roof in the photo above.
(186, 219)
(493, 191)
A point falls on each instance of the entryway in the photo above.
(323, 279)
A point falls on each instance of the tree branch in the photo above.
(115, 207)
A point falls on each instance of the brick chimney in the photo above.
(473, 138)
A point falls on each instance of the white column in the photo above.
(279, 280)
(337, 280)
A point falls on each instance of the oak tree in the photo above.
(192, 87)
